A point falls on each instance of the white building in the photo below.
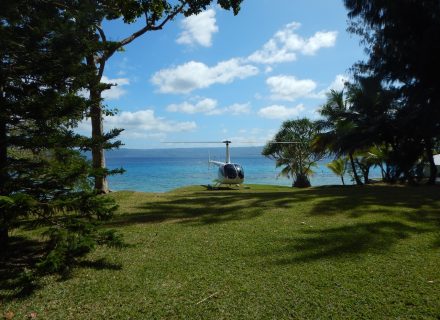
(437, 161)
(437, 164)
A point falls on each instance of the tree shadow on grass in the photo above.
(18, 276)
(436, 243)
(208, 207)
(374, 218)
(421, 204)
(397, 213)
(204, 207)
(100, 264)
(343, 242)
(16, 262)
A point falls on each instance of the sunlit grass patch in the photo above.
(259, 252)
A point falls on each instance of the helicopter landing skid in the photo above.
(218, 186)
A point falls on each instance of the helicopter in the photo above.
(230, 173)
(233, 173)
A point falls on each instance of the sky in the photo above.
(217, 76)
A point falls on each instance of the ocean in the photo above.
(161, 170)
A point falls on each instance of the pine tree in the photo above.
(42, 173)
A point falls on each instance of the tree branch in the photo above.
(104, 57)
(148, 27)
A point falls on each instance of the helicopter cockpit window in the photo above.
(230, 171)
(240, 171)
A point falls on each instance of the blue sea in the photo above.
(161, 170)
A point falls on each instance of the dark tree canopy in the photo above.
(402, 39)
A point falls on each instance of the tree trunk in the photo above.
(4, 235)
(342, 179)
(301, 181)
(3, 156)
(389, 173)
(353, 167)
(432, 166)
(382, 171)
(366, 173)
(98, 157)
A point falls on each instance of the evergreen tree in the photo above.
(42, 173)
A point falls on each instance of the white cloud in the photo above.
(145, 120)
(268, 69)
(143, 123)
(209, 107)
(198, 29)
(124, 66)
(196, 75)
(272, 53)
(234, 109)
(320, 40)
(116, 91)
(289, 88)
(203, 106)
(286, 44)
(280, 112)
(253, 137)
(337, 84)
(239, 108)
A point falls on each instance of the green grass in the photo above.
(258, 253)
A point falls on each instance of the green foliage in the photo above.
(59, 195)
(43, 176)
(295, 153)
(66, 242)
(336, 126)
(110, 238)
(338, 135)
(70, 240)
(339, 167)
(363, 117)
(13, 207)
(401, 40)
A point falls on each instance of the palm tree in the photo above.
(339, 167)
(338, 134)
(296, 158)
(295, 167)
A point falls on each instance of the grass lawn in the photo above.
(258, 253)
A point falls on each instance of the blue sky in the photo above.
(217, 76)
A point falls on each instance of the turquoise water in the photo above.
(161, 170)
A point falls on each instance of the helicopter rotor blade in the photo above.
(238, 142)
(193, 142)
(284, 142)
